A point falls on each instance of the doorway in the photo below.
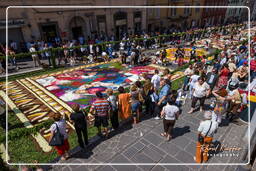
(49, 32)
(77, 32)
(77, 27)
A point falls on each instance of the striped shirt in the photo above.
(101, 106)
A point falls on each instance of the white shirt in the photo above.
(155, 80)
(47, 53)
(121, 46)
(91, 48)
(194, 79)
(188, 72)
(200, 90)
(112, 100)
(170, 111)
(223, 61)
(205, 125)
(32, 49)
(14, 45)
(62, 127)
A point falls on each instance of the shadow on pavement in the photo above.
(177, 131)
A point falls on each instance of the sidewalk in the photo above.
(143, 144)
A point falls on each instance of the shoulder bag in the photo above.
(57, 139)
(201, 138)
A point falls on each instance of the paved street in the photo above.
(143, 144)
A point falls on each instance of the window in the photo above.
(137, 14)
(173, 11)
(186, 10)
(197, 9)
(150, 12)
(157, 13)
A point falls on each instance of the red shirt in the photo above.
(224, 72)
(253, 65)
(101, 106)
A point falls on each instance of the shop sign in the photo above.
(137, 20)
(121, 22)
(12, 22)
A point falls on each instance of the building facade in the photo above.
(183, 18)
(28, 24)
(213, 16)
(235, 14)
(253, 10)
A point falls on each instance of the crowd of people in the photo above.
(223, 80)
(129, 46)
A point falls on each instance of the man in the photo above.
(231, 67)
(206, 129)
(155, 80)
(164, 92)
(234, 99)
(242, 61)
(224, 59)
(101, 109)
(34, 55)
(47, 53)
(188, 73)
(211, 78)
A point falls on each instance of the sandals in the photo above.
(163, 134)
(191, 111)
(168, 138)
(194, 158)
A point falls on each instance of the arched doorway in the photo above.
(120, 19)
(77, 27)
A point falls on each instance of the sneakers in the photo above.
(157, 118)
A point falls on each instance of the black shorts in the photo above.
(101, 120)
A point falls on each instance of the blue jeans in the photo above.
(135, 106)
(186, 81)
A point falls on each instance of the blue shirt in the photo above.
(241, 62)
(164, 92)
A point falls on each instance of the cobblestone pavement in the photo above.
(143, 144)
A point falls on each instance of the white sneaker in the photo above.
(157, 118)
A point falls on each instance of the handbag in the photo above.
(201, 138)
(57, 139)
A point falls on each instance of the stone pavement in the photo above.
(143, 144)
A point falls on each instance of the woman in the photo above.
(80, 123)
(12, 54)
(243, 72)
(124, 105)
(114, 110)
(148, 91)
(223, 77)
(65, 52)
(170, 114)
(200, 91)
(61, 124)
(192, 81)
(135, 103)
(220, 105)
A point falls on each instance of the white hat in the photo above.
(208, 115)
